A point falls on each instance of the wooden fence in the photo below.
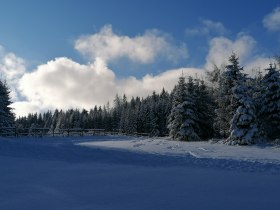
(40, 132)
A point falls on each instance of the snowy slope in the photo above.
(262, 154)
(123, 173)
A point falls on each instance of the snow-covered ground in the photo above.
(136, 173)
(264, 154)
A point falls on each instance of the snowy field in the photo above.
(122, 173)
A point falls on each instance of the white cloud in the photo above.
(63, 83)
(244, 46)
(207, 27)
(149, 83)
(141, 49)
(22, 108)
(11, 69)
(221, 48)
(258, 64)
(272, 20)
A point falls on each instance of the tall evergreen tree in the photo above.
(7, 118)
(226, 102)
(182, 119)
(243, 126)
(205, 108)
(163, 109)
(270, 111)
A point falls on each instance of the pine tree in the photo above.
(227, 104)
(243, 126)
(7, 118)
(163, 110)
(123, 116)
(205, 108)
(131, 118)
(270, 111)
(154, 114)
(182, 119)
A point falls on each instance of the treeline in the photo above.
(138, 115)
(228, 105)
(147, 116)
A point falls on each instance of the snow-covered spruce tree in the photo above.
(182, 119)
(7, 118)
(270, 106)
(243, 126)
(163, 111)
(227, 104)
(131, 118)
(205, 108)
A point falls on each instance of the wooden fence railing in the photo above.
(40, 132)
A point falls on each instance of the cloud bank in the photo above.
(63, 83)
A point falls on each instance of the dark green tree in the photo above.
(227, 104)
(270, 107)
(7, 117)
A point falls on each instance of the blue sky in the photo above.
(147, 40)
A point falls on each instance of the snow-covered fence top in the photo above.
(40, 132)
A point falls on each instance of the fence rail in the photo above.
(40, 132)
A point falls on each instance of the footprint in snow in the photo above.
(172, 147)
(138, 145)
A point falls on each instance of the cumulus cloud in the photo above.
(207, 27)
(221, 48)
(11, 69)
(272, 20)
(63, 83)
(142, 49)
